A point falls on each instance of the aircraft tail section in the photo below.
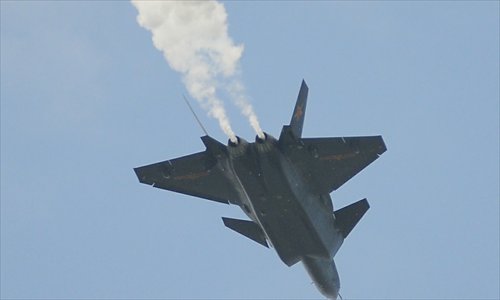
(346, 218)
(297, 121)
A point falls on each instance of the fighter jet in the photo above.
(283, 185)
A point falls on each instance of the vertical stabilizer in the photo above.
(297, 121)
(293, 132)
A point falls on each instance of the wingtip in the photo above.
(304, 84)
(382, 147)
(137, 173)
(141, 175)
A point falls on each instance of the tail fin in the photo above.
(297, 120)
(346, 218)
(294, 130)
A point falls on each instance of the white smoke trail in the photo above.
(193, 38)
(237, 92)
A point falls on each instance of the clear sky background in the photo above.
(85, 97)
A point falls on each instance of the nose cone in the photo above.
(324, 274)
(331, 293)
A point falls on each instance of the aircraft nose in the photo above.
(325, 276)
(335, 295)
(329, 292)
(332, 293)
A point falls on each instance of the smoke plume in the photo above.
(237, 92)
(193, 38)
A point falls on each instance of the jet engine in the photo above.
(237, 148)
(265, 144)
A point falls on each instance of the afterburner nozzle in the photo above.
(262, 139)
(265, 144)
(237, 149)
(265, 137)
(238, 143)
(233, 144)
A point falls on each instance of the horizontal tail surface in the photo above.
(346, 218)
(247, 228)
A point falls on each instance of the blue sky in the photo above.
(85, 97)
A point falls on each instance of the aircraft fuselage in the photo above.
(296, 221)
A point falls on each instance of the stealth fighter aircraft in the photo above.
(283, 185)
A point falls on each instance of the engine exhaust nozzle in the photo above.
(261, 140)
(239, 148)
(239, 142)
(266, 144)
(233, 144)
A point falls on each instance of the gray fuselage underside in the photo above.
(297, 221)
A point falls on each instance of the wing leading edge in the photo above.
(200, 174)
